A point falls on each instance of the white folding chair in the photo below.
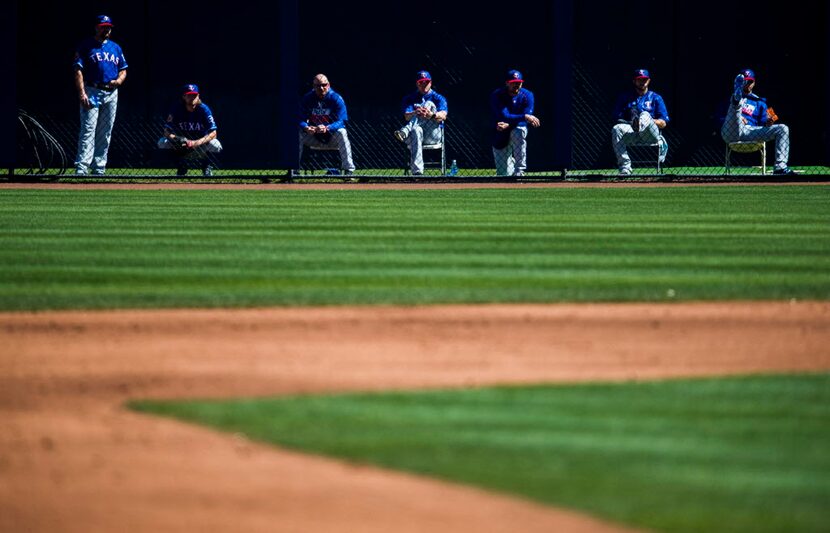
(746, 147)
(648, 148)
(441, 163)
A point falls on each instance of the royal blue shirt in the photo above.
(415, 100)
(511, 109)
(331, 110)
(754, 110)
(651, 102)
(99, 62)
(191, 124)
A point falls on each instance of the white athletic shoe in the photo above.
(664, 149)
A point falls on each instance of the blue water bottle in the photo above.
(453, 168)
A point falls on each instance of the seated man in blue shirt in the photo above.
(750, 119)
(425, 112)
(640, 114)
(190, 132)
(323, 118)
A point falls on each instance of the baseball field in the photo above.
(398, 357)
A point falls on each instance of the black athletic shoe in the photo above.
(786, 171)
(349, 177)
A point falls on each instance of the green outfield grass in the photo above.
(112, 249)
(731, 454)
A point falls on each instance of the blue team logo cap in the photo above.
(514, 76)
(641, 73)
(103, 20)
(749, 74)
(190, 89)
(423, 75)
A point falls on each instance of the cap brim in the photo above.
(642, 77)
(749, 79)
(515, 81)
(424, 79)
(191, 92)
(105, 24)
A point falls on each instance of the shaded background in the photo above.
(255, 60)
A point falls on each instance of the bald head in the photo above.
(321, 85)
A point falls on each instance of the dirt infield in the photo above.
(73, 459)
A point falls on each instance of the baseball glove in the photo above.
(771, 116)
(179, 143)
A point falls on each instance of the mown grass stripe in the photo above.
(239, 248)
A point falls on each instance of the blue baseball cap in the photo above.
(641, 73)
(514, 76)
(190, 89)
(749, 74)
(423, 75)
(103, 20)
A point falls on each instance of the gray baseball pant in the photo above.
(96, 131)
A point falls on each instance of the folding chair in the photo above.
(648, 148)
(311, 155)
(745, 147)
(441, 163)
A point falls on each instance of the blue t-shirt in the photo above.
(511, 109)
(331, 110)
(191, 124)
(651, 102)
(415, 100)
(505, 107)
(99, 62)
(754, 110)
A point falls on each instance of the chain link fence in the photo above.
(48, 146)
(746, 139)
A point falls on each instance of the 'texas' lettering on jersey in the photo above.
(748, 109)
(192, 126)
(104, 57)
(320, 115)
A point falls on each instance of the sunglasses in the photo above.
(321, 85)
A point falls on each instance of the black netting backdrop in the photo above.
(371, 59)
